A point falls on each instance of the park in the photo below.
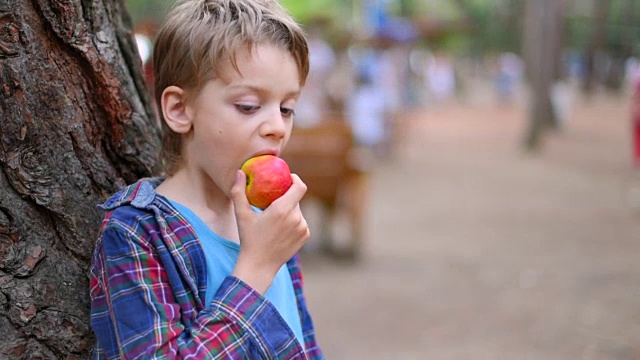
(473, 170)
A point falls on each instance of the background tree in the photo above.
(542, 54)
(619, 45)
(77, 124)
(597, 40)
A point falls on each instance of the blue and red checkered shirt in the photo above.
(148, 282)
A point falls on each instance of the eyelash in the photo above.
(248, 109)
(287, 112)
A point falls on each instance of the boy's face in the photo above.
(247, 113)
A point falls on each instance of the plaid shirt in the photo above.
(148, 282)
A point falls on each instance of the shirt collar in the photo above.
(139, 194)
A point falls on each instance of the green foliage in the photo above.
(496, 23)
(155, 10)
(495, 26)
(622, 33)
(305, 10)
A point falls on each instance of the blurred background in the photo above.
(474, 176)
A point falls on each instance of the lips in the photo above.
(265, 152)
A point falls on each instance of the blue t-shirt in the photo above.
(222, 254)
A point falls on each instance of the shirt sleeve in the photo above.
(135, 315)
(311, 345)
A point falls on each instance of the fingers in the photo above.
(287, 202)
(299, 225)
(238, 195)
(305, 229)
(294, 194)
(296, 180)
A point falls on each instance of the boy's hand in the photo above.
(270, 238)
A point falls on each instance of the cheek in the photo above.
(287, 136)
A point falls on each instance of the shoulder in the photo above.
(133, 210)
(139, 194)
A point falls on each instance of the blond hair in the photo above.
(197, 38)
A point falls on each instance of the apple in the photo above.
(268, 178)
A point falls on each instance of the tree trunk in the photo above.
(76, 124)
(629, 20)
(618, 54)
(541, 52)
(597, 42)
(516, 9)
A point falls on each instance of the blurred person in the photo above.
(366, 109)
(183, 266)
(377, 95)
(632, 73)
(392, 82)
(417, 63)
(575, 65)
(440, 77)
(314, 101)
(510, 69)
(391, 79)
(635, 125)
(144, 35)
(340, 83)
(634, 186)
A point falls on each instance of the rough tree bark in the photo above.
(76, 123)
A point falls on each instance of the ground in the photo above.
(477, 250)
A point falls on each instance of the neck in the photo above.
(197, 192)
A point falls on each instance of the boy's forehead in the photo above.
(229, 64)
(247, 53)
(231, 67)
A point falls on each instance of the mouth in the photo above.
(273, 152)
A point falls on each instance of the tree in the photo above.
(77, 124)
(543, 29)
(619, 46)
(597, 42)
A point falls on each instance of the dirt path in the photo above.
(478, 251)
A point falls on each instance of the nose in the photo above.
(275, 125)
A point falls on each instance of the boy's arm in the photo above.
(270, 238)
(135, 313)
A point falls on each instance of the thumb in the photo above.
(238, 193)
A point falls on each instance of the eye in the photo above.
(287, 112)
(246, 109)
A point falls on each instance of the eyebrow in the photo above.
(260, 89)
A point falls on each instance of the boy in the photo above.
(184, 267)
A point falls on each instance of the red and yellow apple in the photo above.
(268, 178)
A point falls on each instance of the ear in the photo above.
(175, 110)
